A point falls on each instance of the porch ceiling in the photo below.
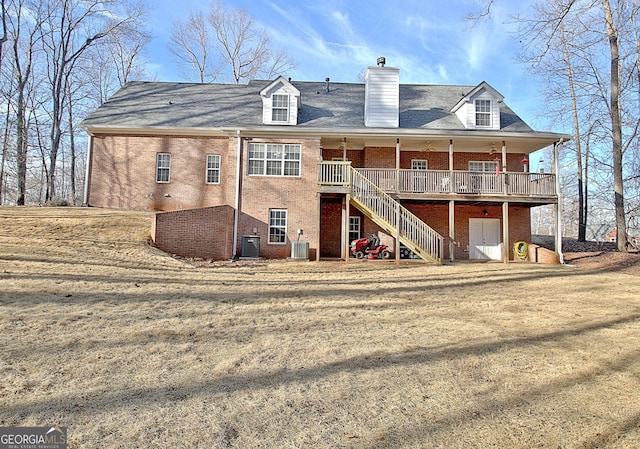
(469, 144)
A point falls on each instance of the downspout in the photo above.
(85, 199)
(556, 148)
(236, 212)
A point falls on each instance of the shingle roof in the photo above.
(223, 106)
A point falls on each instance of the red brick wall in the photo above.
(123, 172)
(385, 157)
(297, 195)
(437, 216)
(199, 233)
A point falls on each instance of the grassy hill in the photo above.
(128, 347)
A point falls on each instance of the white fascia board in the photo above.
(155, 131)
(288, 131)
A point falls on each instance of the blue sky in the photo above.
(429, 40)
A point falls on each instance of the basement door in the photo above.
(484, 239)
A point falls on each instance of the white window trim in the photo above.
(284, 227)
(218, 169)
(158, 168)
(283, 108)
(484, 113)
(354, 221)
(413, 165)
(492, 164)
(283, 160)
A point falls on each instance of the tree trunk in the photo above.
(616, 127)
(21, 148)
(582, 223)
(72, 148)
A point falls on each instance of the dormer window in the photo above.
(280, 108)
(280, 103)
(483, 113)
(480, 108)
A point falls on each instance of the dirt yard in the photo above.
(130, 348)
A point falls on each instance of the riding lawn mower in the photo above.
(369, 248)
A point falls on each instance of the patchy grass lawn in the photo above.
(130, 348)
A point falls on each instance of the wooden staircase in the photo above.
(394, 218)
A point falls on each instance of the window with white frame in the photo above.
(280, 108)
(278, 226)
(213, 169)
(354, 228)
(419, 164)
(483, 166)
(274, 159)
(163, 167)
(483, 113)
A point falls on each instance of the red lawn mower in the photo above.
(369, 248)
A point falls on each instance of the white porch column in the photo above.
(505, 232)
(452, 231)
(397, 236)
(319, 227)
(504, 167)
(556, 149)
(450, 165)
(344, 253)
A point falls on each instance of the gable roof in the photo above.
(482, 86)
(177, 107)
(280, 81)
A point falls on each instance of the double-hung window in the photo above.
(483, 113)
(278, 226)
(483, 166)
(354, 228)
(485, 179)
(419, 164)
(274, 159)
(280, 108)
(213, 169)
(163, 167)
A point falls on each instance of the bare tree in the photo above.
(616, 125)
(606, 84)
(3, 36)
(24, 43)
(226, 43)
(73, 26)
(191, 43)
(245, 48)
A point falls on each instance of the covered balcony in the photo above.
(334, 176)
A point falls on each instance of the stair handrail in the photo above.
(411, 228)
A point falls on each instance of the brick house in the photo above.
(275, 167)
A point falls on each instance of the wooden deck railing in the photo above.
(442, 181)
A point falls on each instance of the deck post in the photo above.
(556, 150)
(504, 167)
(397, 183)
(345, 227)
(450, 165)
(452, 231)
(505, 232)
